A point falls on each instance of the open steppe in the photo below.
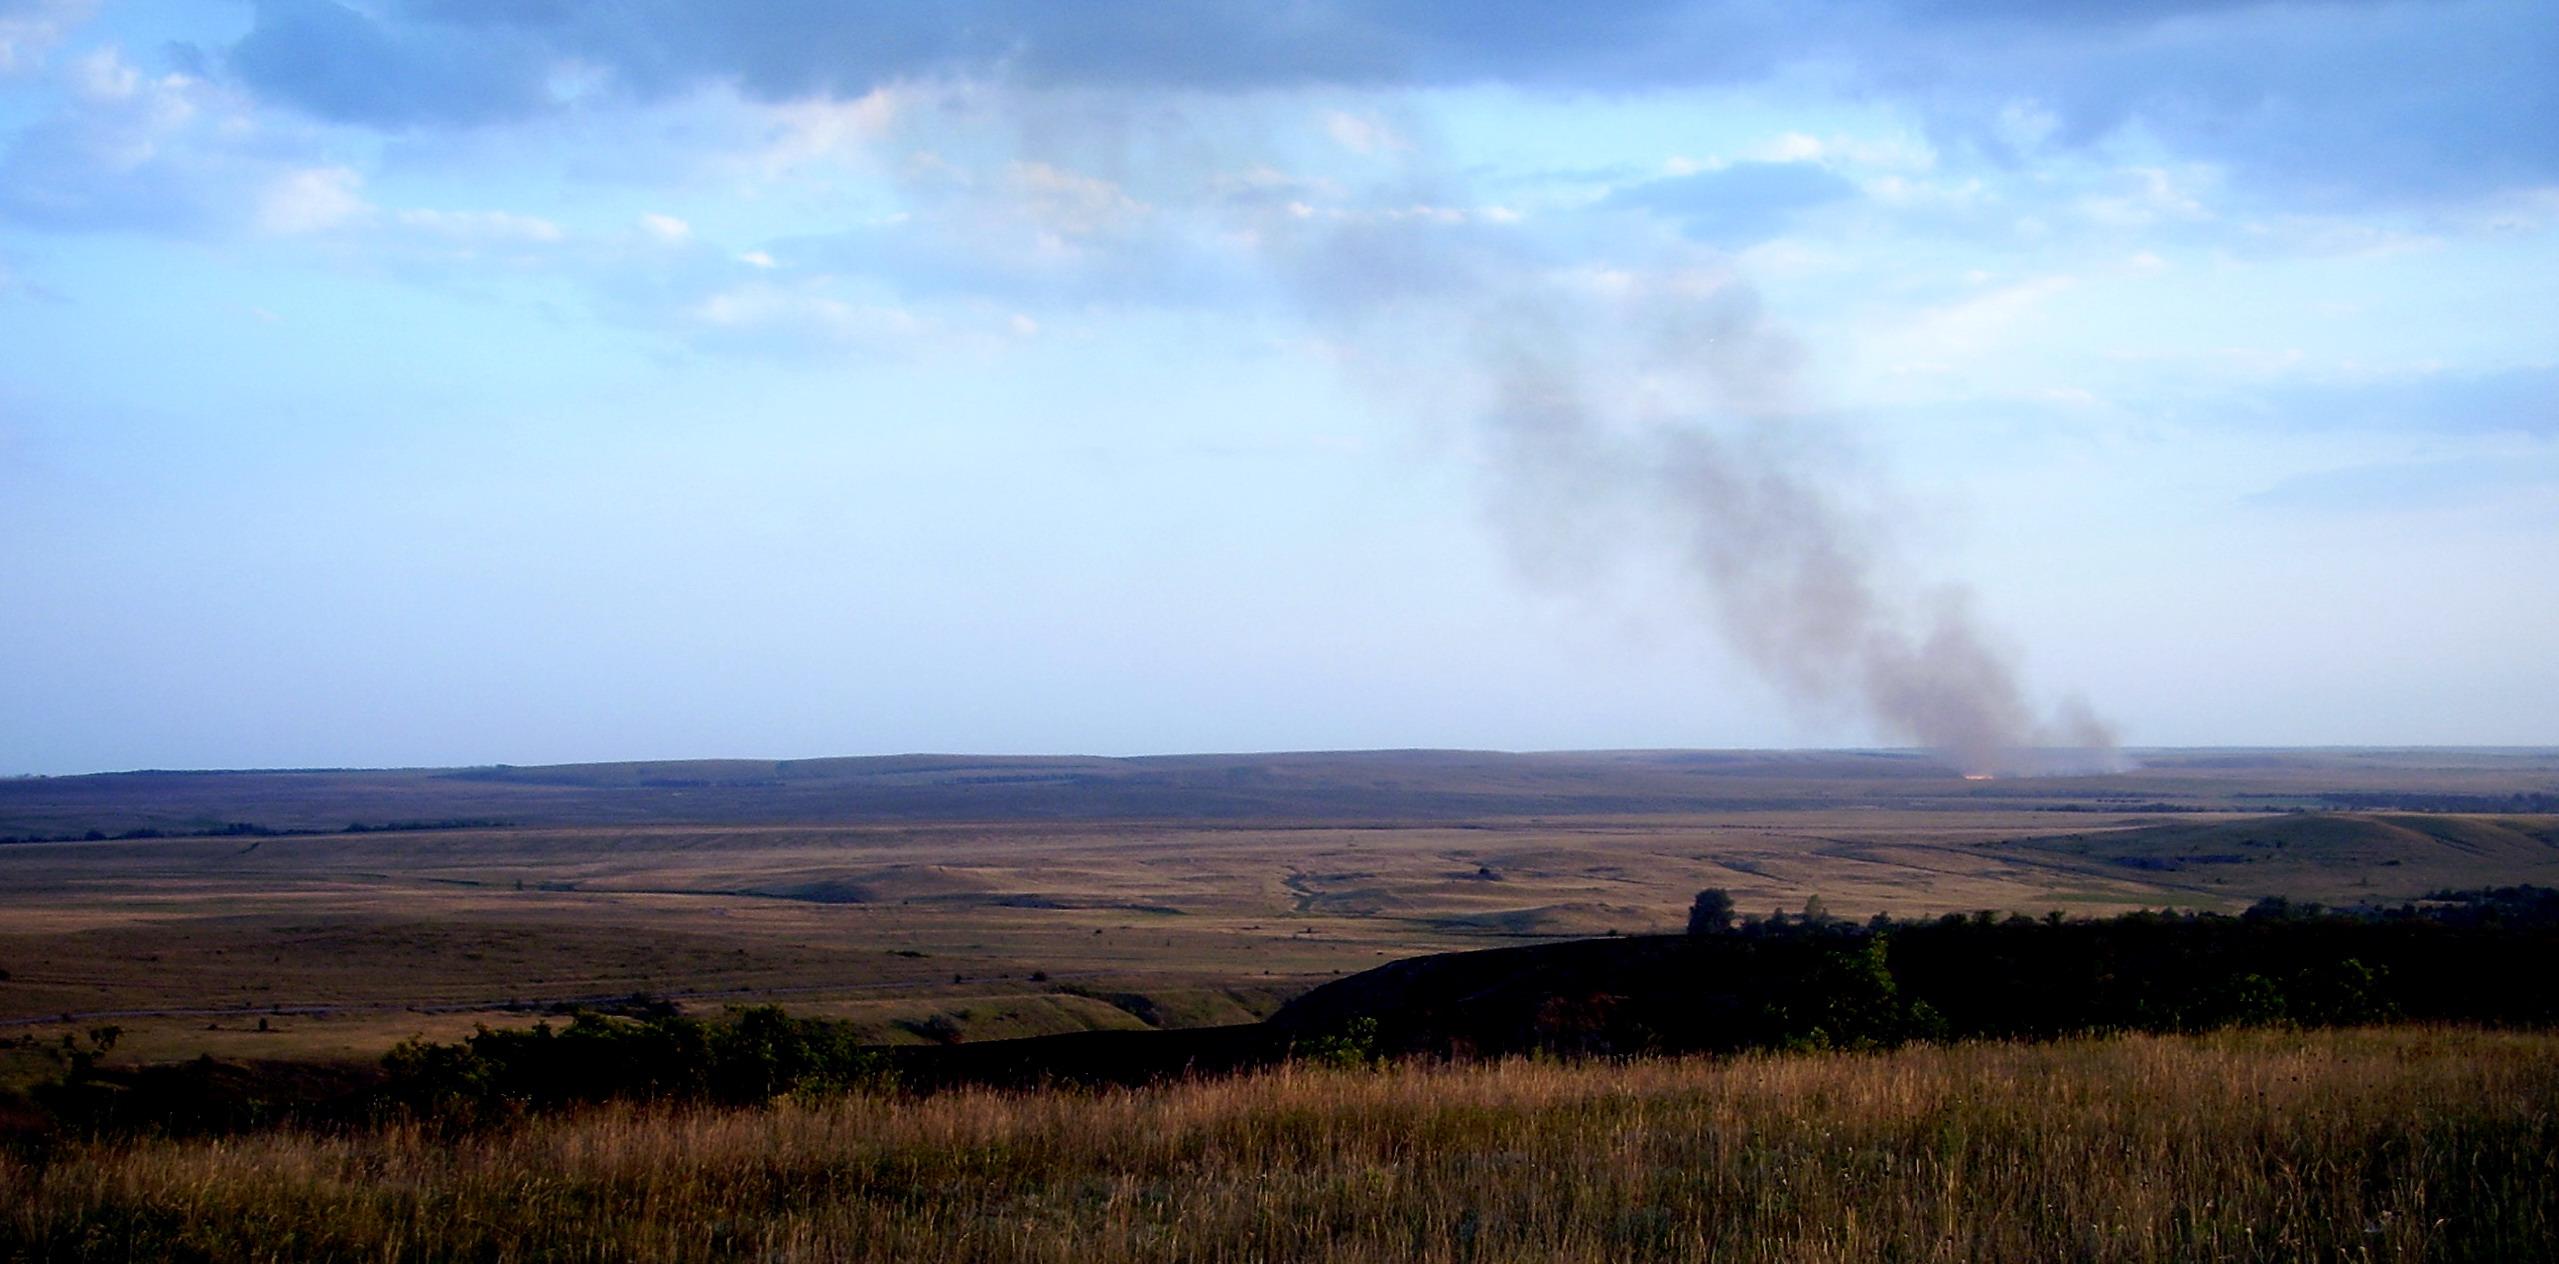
(1021, 896)
(2406, 1144)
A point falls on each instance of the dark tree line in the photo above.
(1812, 979)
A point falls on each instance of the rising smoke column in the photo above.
(1628, 413)
(1730, 475)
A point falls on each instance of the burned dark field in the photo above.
(237, 914)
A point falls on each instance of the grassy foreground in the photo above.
(2397, 1144)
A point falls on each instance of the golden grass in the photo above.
(373, 923)
(2393, 1144)
(185, 943)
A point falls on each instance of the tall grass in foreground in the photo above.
(2372, 1144)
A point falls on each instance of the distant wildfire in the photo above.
(1654, 414)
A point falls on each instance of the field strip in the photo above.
(511, 1003)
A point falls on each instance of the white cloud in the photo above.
(775, 315)
(1889, 153)
(481, 226)
(112, 153)
(308, 201)
(1366, 137)
(1979, 324)
(1071, 204)
(2144, 196)
(30, 29)
(1902, 192)
(170, 153)
(666, 229)
(818, 129)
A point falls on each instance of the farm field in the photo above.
(999, 898)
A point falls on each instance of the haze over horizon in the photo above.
(432, 383)
(2133, 758)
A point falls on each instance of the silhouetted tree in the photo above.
(1712, 914)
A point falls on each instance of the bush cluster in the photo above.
(752, 1055)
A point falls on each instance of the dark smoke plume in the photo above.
(1737, 485)
(1652, 411)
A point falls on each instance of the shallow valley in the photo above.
(947, 897)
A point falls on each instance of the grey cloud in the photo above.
(2338, 101)
(788, 48)
(422, 64)
(340, 64)
(2334, 105)
(1740, 204)
(2084, 13)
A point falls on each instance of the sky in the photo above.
(433, 382)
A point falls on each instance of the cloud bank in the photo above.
(2344, 101)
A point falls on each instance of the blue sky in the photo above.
(467, 381)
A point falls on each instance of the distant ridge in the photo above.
(1308, 787)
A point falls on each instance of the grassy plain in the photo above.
(1016, 897)
(2399, 1144)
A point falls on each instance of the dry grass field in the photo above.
(2395, 1144)
(1016, 897)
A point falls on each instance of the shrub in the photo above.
(1355, 1046)
(751, 1056)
